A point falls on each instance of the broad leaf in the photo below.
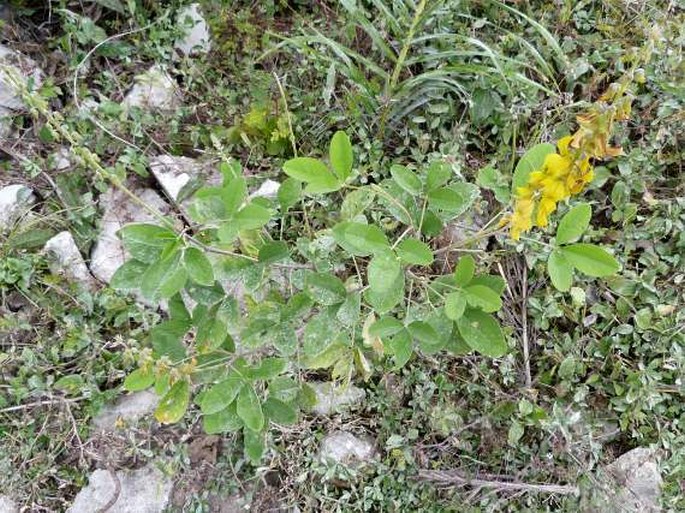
(360, 239)
(314, 173)
(224, 421)
(249, 409)
(340, 155)
(289, 193)
(574, 224)
(254, 445)
(164, 278)
(140, 379)
(233, 195)
(251, 217)
(383, 272)
(129, 275)
(482, 332)
(174, 403)
(482, 297)
(560, 271)
(198, 266)
(385, 327)
(221, 394)
(590, 259)
(272, 252)
(325, 288)
(268, 368)
(279, 412)
(145, 241)
(438, 174)
(400, 346)
(406, 179)
(455, 304)
(531, 161)
(415, 252)
(383, 302)
(464, 271)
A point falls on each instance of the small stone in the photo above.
(154, 90)
(7, 505)
(15, 201)
(639, 482)
(197, 38)
(347, 449)
(269, 189)
(109, 253)
(128, 408)
(146, 490)
(67, 259)
(332, 398)
(61, 159)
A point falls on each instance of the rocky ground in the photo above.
(134, 464)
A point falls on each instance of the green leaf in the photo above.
(272, 252)
(383, 302)
(210, 335)
(574, 223)
(455, 304)
(406, 179)
(129, 275)
(348, 313)
(325, 288)
(289, 193)
(492, 281)
(198, 266)
(482, 332)
(464, 271)
(251, 217)
(249, 409)
(360, 239)
(279, 412)
(445, 199)
(284, 388)
(174, 404)
(356, 202)
(590, 259)
(340, 155)
(560, 271)
(400, 346)
(385, 327)
(166, 339)
(71, 384)
(145, 241)
(268, 368)
(383, 272)
(254, 445)
(482, 297)
(224, 421)
(140, 379)
(314, 173)
(164, 278)
(415, 252)
(438, 175)
(531, 161)
(233, 195)
(221, 394)
(328, 357)
(428, 338)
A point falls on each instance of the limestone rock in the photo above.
(13, 64)
(146, 490)
(197, 37)
(173, 173)
(332, 398)
(347, 449)
(154, 90)
(67, 259)
(7, 505)
(15, 201)
(639, 481)
(109, 254)
(129, 408)
(269, 189)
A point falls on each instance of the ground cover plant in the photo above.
(477, 225)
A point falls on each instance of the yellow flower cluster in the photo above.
(568, 171)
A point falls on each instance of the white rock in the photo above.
(333, 398)
(146, 490)
(345, 448)
(67, 259)
(61, 159)
(172, 173)
(154, 89)
(109, 254)
(129, 408)
(15, 65)
(269, 189)
(197, 38)
(15, 201)
(7, 505)
(639, 481)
